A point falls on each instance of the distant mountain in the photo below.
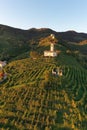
(73, 36)
(14, 42)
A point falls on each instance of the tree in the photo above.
(47, 40)
(34, 54)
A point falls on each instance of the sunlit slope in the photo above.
(34, 99)
(28, 70)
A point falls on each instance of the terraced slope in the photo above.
(34, 99)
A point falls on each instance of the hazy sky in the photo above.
(59, 15)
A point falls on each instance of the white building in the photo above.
(52, 52)
(57, 71)
(2, 64)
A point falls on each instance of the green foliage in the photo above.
(46, 41)
(34, 54)
(33, 98)
(16, 42)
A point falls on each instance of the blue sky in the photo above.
(59, 15)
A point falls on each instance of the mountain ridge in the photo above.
(15, 42)
(66, 35)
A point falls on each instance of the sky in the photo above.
(58, 15)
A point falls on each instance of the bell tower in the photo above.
(51, 52)
(52, 47)
(52, 43)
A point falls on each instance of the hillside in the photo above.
(32, 97)
(21, 41)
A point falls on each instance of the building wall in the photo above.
(49, 53)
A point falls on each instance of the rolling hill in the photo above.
(21, 41)
(31, 97)
(34, 99)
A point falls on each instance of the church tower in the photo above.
(52, 47)
(52, 52)
(52, 44)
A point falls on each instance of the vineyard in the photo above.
(31, 98)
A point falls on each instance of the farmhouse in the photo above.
(52, 52)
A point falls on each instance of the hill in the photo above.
(31, 96)
(21, 41)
